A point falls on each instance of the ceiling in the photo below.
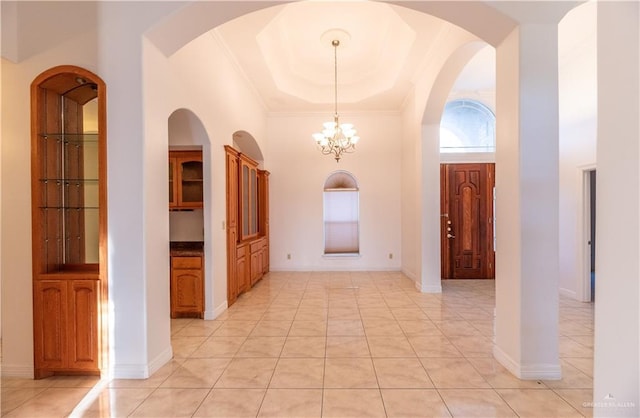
(285, 53)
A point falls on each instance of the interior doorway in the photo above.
(466, 232)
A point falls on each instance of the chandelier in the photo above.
(336, 138)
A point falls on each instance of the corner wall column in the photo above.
(616, 385)
(431, 277)
(527, 262)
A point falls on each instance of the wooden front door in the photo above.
(466, 196)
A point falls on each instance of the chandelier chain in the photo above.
(335, 44)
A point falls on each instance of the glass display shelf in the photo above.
(71, 138)
(67, 181)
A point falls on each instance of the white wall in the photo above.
(578, 125)
(298, 172)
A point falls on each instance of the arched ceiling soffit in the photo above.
(186, 129)
(193, 19)
(284, 53)
(248, 145)
(446, 78)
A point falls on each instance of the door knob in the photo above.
(450, 236)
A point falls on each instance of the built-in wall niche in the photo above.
(68, 189)
(67, 172)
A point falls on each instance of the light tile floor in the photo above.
(362, 344)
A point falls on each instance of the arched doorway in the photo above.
(190, 223)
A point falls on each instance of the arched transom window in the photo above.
(467, 126)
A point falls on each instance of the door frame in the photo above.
(584, 285)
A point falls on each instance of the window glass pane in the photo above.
(341, 228)
(467, 126)
(245, 200)
(254, 202)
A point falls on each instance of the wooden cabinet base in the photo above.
(65, 326)
(187, 287)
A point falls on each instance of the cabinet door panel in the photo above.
(265, 258)
(83, 310)
(187, 290)
(242, 282)
(50, 311)
(186, 179)
(255, 269)
(191, 190)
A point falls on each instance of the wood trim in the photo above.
(445, 253)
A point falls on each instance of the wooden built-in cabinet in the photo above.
(65, 310)
(187, 282)
(69, 221)
(185, 180)
(247, 223)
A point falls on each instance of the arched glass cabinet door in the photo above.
(69, 208)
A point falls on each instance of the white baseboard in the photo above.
(431, 288)
(217, 311)
(15, 370)
(527, 372)
(409, 274)
(162, 359)
(329, 268)
(569, 293)
(130, 371)
(142, 371)
(428, 288)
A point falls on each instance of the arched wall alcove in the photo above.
(247, 144)
(186, 129)
(187, 132)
